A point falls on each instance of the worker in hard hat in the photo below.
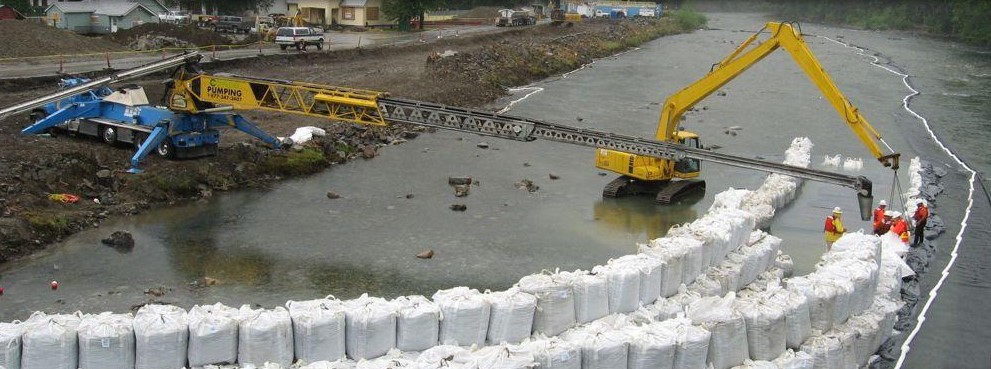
(900, 226)
(834, 227)
(884, 225)
(920, 217)
(882, 207)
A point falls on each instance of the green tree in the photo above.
(404, 11)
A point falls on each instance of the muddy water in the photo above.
(294, 243)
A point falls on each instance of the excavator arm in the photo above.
(787, 37)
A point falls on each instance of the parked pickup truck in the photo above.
(173, 16)
(233, 24)
(298, 37)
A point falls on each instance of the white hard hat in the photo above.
(883, 203)
(921, 202)
(889, 213)
(896, 214)
(837, 210)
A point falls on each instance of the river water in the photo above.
(292, 243)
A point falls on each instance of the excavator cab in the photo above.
(687, 167)
(667, 180)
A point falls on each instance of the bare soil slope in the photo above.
(20, 38)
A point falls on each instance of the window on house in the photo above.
(95, 19)
(347, 13)
(372, 14)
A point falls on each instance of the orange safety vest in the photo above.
(878, 215)
(901, 229)
(921, 214)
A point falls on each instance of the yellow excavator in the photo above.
(669, 179)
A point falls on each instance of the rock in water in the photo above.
(333, 195)
(122, 241)
(427, 254)
(554, 176)
(455, 181)
(459, 207)
(483, 145)
(461, 190)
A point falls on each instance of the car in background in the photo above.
(233, 24)
(298, 37)
(174, 16)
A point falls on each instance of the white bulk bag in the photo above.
(673, 259)
(706, 285)
(821, 298)
(602, 346)
(624, 287)
(511, 317)
(442, 356)
(665, 309)
(865, 333)
(695, 262)
(394, 359)
(692, 342)
(161, 334)
(591, 293)
(10, 345)
(370, 327)
(651, 270)
(555, 303)
(329, 365)
(652, 346)
(265, 336)
(50, 342)
(212, 334)
(464, 316)
(106, 341)
(765, 324)
(889, 309)
(417, 323)
(749, 262)
(791, 359)
(727, 274)
(502, 357)
(318, 329)
(730, 199)
(728, 345)
(844, 295)
(555, 353)
(798, 323)
(785, 263)
(756, 364)
(826, 351)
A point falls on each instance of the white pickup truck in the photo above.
(298, 37)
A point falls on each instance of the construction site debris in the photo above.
(528, 185)
(461, 190)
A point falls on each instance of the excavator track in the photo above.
(677, 189)
(616, 188)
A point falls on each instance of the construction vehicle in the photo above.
(123, 115)
(668, 178)
(560, 14)
(515, 18)
(198, 103)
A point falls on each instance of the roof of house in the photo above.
(103, 7)
(357, 3)
(14, 9)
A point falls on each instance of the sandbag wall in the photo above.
(712, 292)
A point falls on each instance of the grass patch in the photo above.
(306, 161)
(687, 18)
(178, 184)
(49, 223)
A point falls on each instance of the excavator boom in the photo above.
(787, 37)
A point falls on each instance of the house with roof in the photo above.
(103, 16)
(357, 13)
(8, 12)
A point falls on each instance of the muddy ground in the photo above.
(33, 167)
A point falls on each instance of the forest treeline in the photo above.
(967, 20)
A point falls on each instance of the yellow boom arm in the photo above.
(783, 35)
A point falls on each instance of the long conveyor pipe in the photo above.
(129, 74)
(526, 129)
